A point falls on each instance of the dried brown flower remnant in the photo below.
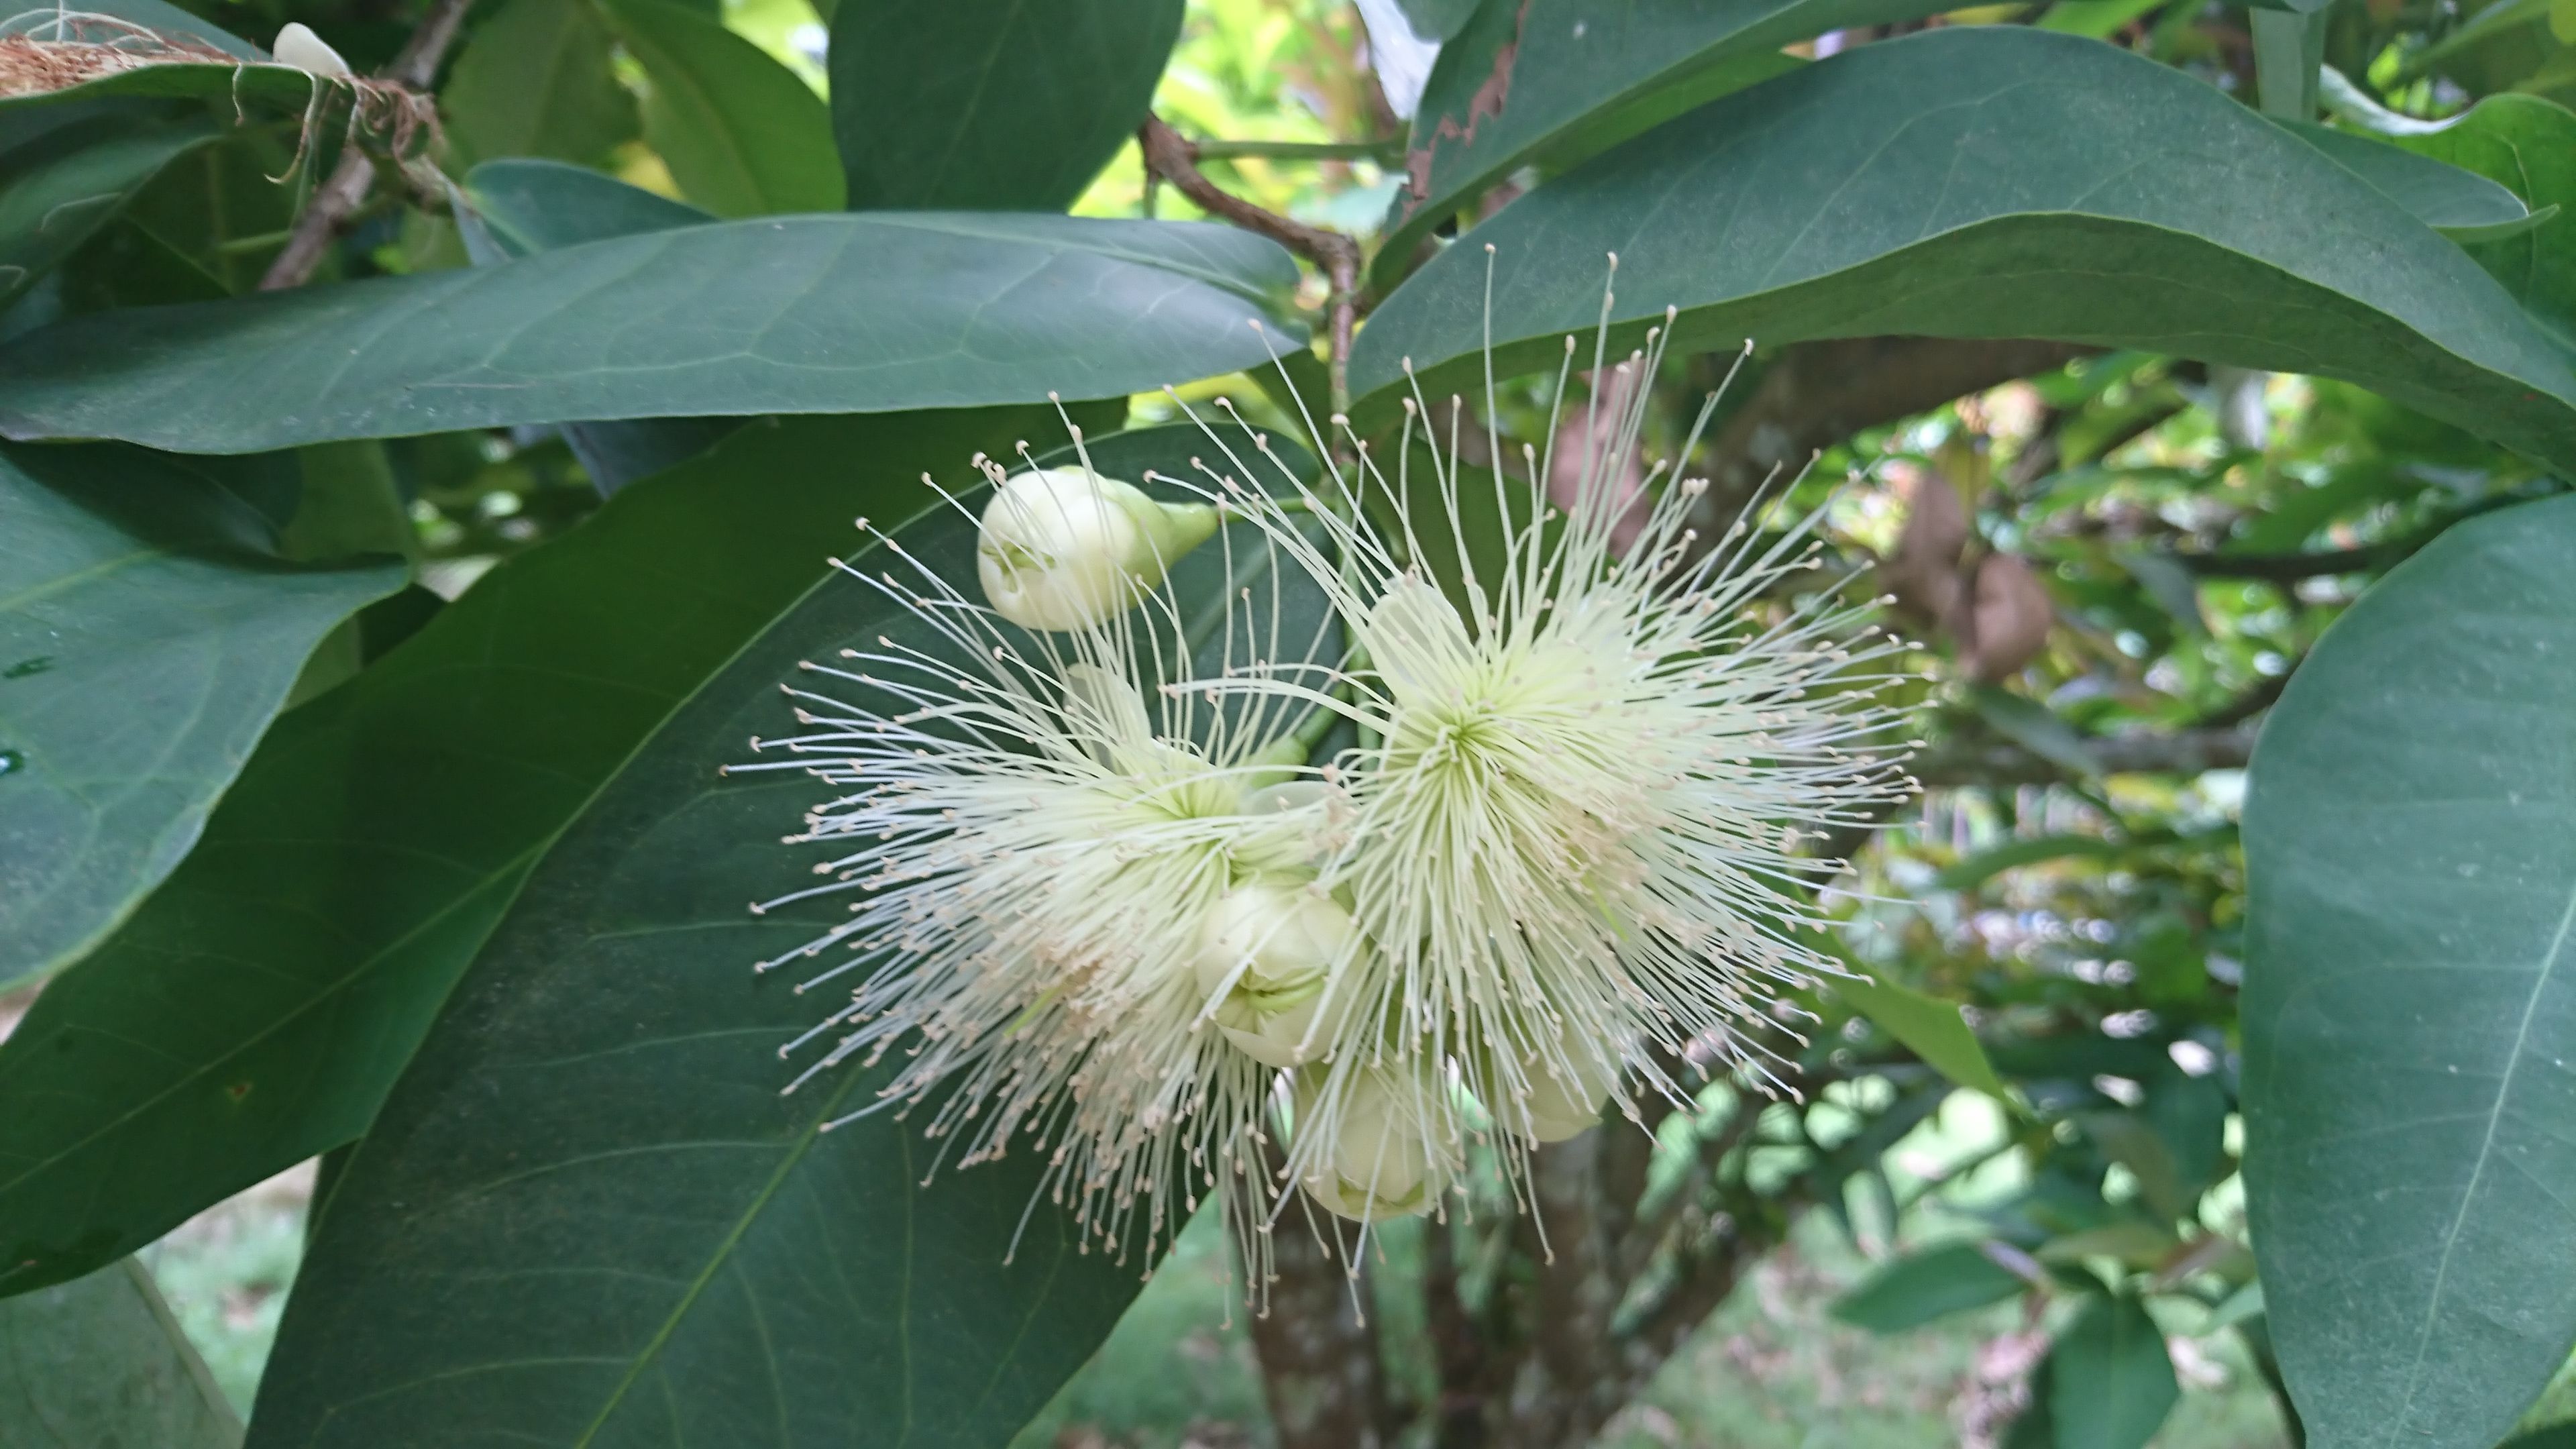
(86, 48)
(44, 51)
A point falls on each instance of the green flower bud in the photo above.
(1064, 548)
(1381, 1160)
(1280, 955)
(1566, 1086)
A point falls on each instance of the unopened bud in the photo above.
(1278, 953)
(1064, 548)
(1380, 1162)
(299, 47)
(1565, 1087)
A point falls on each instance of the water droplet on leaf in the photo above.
(11, 762)
(25, 667)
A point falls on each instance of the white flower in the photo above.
(1583, 777)
(1033, 842)
(1064, 548)
(1108, 907)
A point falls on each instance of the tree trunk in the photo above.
(1320, 1369)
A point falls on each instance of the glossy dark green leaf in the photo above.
(148, 633)
(537, 206)
(169, 19)
(257, 1007)
(1437, 19)
(1920, 1287)
(67, 170)
(205, 210)
(2110, 1381)
(2410, 1008)
(99, 1363)
(1972, 181)
(742, 135)
(595, 1224)
(518, 208)
(990, 105)
(536, 80)
(876, 313)
(2528, 145)
(1554, 81)
(2440, 195)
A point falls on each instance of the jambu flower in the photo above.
(1582, 780)
(1036, 836)
(1109, 903)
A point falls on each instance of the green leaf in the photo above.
(2110, 1382)
(536, 80)
(2528, 145)
(203, 209)
(1929, 1027)
(574, 1225)
(2555, 1436)
(148, 632)
(518, 208)
(538, 206)
(2409, 1011)
(1985, 865)
(1437, 19)
(991, 105)
(741, 134)
(2246, 1302)
(2035, 727)
(2443, 197)
(2289, 52)
(256, 1009)
(2133, 1142)
(100, 1364)
(66, 171)
(2133, 1244)
(2099, 19)
(1920, 1287)
(2168, 581)
(1555, 81)
(1968, 182)
(171, 20)
(876, 313)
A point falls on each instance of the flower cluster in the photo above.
(1496, 849)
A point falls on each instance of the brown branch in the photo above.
(1318, 1352)
(1175, 158)
(333, 202)
(1819, 393)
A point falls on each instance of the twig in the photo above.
(413, 67)
(1174, 158)
(1383, 151)
(2254, 701)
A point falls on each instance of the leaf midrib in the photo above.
(2477, 1173)
(716, 1260)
